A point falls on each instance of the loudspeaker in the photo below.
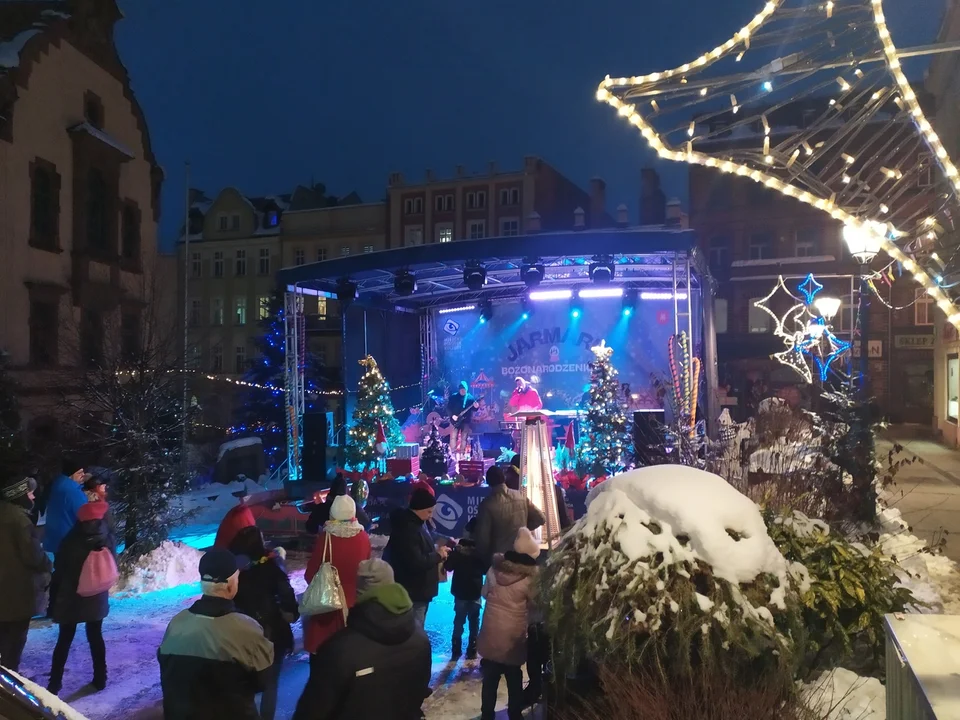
(314, 458)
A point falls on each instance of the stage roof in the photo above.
(644, 257)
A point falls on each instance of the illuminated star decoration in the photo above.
(810, 287)
(837, 348)
(781, 322)
(602, 351)
(793, 356)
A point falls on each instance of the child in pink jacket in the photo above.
(510, 591)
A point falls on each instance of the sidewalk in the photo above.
(927, 492)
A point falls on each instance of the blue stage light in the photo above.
(627, 312)
(525, 316)
(575, 313)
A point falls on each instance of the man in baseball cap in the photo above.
(213, 659)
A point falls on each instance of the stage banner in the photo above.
(554, 346)
(455, 505)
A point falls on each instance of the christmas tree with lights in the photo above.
(373, 412)
(12, 454)
(604, 433)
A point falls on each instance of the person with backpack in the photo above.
(87, 566)
(344, 544)
(468, 570)
(24, 569)
(264, 593)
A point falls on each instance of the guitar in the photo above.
(464, 417)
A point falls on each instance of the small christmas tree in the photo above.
(435, 456)
(12, 454)
(604, 437)
(373, 408)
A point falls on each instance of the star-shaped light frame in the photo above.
(602, 351)
(782, 322)
(741, 42)
(810, 287)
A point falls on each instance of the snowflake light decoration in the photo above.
(784, 325)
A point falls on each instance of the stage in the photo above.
(488, 311)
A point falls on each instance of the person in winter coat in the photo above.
(213, 658)
(349, 546)
(501, 514)
(321, 512)
(238, 517)
(466, 586)
(24, 570)
(412, 553)
(378, 668)
(510, 592)
(90, 533)
(264, 593)
(63, 501)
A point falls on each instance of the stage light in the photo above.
(527, 309)
(629, 302)
(661, 295)
(474, 275)
(461, 308)
(346, 292)
(601, 292)
(551, 295)
(404, 283)
(532, 272)
(602, 270)
(576, 309)
(486, 311)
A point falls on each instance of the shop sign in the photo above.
(874, 349)
(913, 342)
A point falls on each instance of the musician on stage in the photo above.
(524, 397)
(461, 407)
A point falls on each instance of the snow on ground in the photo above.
(169, 566)
(51, 702)
(840, 694)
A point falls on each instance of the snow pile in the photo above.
(210, 503)
(169, 566)
(234, 444)
(50, 701)
(840, 694)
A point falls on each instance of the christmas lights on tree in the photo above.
(604, 433)
(373, 410)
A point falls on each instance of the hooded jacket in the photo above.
(237, 518)
(63, 502)
(377, 668)
(24, 566)
(91, 532)
(467, 568)
(264, 593)
(413, 556)
(510, 592)
(213, 661)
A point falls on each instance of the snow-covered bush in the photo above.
(851, 588)
(672, 567)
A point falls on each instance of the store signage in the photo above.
(874, 349)
(913, 342)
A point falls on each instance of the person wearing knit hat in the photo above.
(24, 569)
(372, 574)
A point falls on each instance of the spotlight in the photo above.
(527, 309)
(550, 294)
(474, 275)
(576, 308)
(602, 270)
(346, 292)
(601, 292)
(531, 272)
(404, 283)
(486, 311)
(629, 302)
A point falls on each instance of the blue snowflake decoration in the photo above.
(810, 287)
(837, 348)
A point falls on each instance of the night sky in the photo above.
(345, 93)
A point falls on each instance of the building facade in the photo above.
(79, 196)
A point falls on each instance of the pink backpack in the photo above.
(98, 574)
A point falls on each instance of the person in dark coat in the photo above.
(501, 514)
(24, 570)
(412, 553)
(213, 658)
(321, 512)
(378, 666)
(264, 593)
(467, 584)
(90, 533)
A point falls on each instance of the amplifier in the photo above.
(407, 450)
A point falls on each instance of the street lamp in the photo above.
(864, 241)
(827, 307)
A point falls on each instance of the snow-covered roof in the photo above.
(10, 50)
(17, 30)
(103, 137)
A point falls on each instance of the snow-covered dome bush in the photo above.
(672, 559)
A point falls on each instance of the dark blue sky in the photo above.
(265, 95)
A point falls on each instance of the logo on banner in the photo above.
(451, 327)
(663, 316)
(554, 354)
(447, 512)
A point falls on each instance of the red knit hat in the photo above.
(92, 511)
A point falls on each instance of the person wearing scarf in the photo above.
(349, 546)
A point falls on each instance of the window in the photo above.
(923, 308)
(93, 110)
(196, 265)
(417, 205)
(719, 252)
(272, 218)
(846, 317)
(476, 200)
(510, 196)
(240, 267)
(509, 227)
(240, 311)
(263, 266)
(367, 249)
(413, 206)
(443, 203)
(808, 242)
(222, 221)
(413, 235)
(321, 307)
(925, 170)
(216, 313)
(216, 358)
(218, 263)
(44, 326)
(234, 222)
(344, 250)
(263, 307)
(759, 320)
(98, 234)
(130, 336)
(91, 338)
(761, 247)
(44, 205)
(196, 310)
(130, 232)
(299, 257)
(438, 203)
(477, 229)
(193, 357)
(720, 315)
(444, 232)
(953, 387)
(321, 254)
(240, 359)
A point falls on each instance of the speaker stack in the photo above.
(314, 459)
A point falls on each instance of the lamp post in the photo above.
(863, 241)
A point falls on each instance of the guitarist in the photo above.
(461, 407)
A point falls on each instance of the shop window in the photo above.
(953, 387)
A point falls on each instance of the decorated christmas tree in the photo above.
(11, 447)
(604, 435)
(435, 456)
(373, 412)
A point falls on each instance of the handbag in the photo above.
(325, 593)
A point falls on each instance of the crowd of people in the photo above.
(371, 658)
